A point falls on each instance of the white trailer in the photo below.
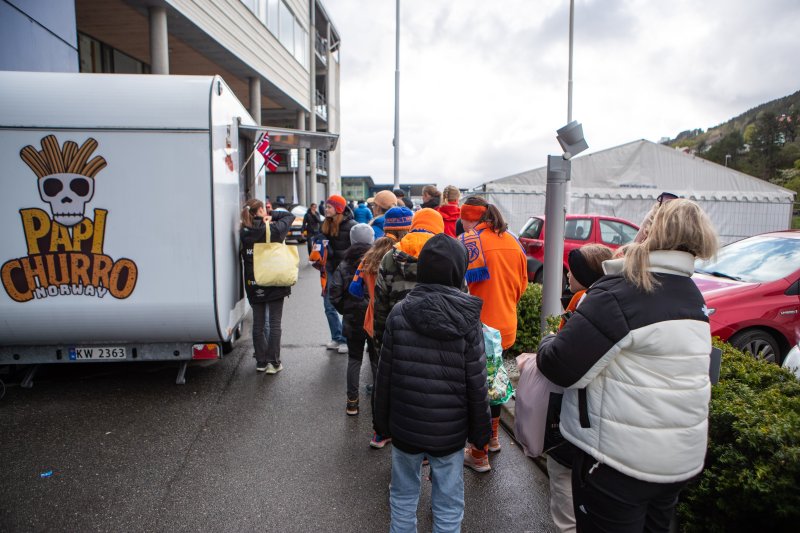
(120, 212)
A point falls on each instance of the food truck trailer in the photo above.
(120, 206)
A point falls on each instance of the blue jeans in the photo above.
(334, 322)
(447, 491)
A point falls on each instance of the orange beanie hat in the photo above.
(338, 203)
(428, 219)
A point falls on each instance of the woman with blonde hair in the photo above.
(449, 209)
(634, 360)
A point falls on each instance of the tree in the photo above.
(765, 145)
(730, 145)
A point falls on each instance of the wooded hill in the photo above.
(763, 142)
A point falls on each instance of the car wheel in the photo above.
(537, 278)
(759, 344)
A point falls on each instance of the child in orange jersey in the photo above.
(498, 275)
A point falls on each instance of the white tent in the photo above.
(624, 181)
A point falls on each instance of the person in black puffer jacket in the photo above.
(430, 393)
(267, 302)
(353, 310)
(336, 229)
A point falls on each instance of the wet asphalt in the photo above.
(121, 447)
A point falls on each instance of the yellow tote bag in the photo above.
(274, 263)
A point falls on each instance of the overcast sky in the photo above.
(483, 85)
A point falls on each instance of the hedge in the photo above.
(751, 480)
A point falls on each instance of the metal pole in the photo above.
(569, 79)
(396, 141)
(558, 175)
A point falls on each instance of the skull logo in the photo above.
(67, 194)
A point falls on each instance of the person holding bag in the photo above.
(267, 302)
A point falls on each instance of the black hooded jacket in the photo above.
(278, 228)
(430, 393)
(352, 309)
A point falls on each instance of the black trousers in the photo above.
(355, 354)
(606, 500)
(267, 336)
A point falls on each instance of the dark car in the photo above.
(752, 292)
(578, 230)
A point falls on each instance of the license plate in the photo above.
(97, 353)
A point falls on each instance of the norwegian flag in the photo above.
(273, 160)
(263, 145)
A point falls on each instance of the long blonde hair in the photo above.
(372, 259)
(450, 194)
(677, 225)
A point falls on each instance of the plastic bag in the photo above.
(537, 409)
(500, 388)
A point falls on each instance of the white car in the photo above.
(792, 360)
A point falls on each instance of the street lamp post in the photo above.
(396, 141)
(559, 170)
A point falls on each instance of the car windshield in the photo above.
(755, 259)
(532, 229)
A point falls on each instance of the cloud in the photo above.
(484, 86)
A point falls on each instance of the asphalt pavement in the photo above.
(121, 447)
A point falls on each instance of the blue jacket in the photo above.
(377, 226)
(362, 214)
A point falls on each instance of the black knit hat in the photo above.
(443, 260)
(581, 270)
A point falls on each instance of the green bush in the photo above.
(529, 313)
(752, 471)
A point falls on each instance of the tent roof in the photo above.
(644, 169)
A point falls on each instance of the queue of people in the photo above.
(632, 351)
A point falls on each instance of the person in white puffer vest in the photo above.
(634, 359)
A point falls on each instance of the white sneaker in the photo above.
(333, 345)
(343, 348)
(272, 369)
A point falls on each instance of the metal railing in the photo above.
(321, 106)
(321, 47)
(322, 162)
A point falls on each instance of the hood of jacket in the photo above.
(355, 252)
(441, 312)
(413, 242)
(450, 212)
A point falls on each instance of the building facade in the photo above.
(280, 57)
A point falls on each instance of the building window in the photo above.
(286, 28)
(282, 23)
(96, 56)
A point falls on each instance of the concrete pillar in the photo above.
(255, 99)
(304, 195)
(159, 41)
(312, 118)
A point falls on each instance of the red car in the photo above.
(752, 292)
(578, 230)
